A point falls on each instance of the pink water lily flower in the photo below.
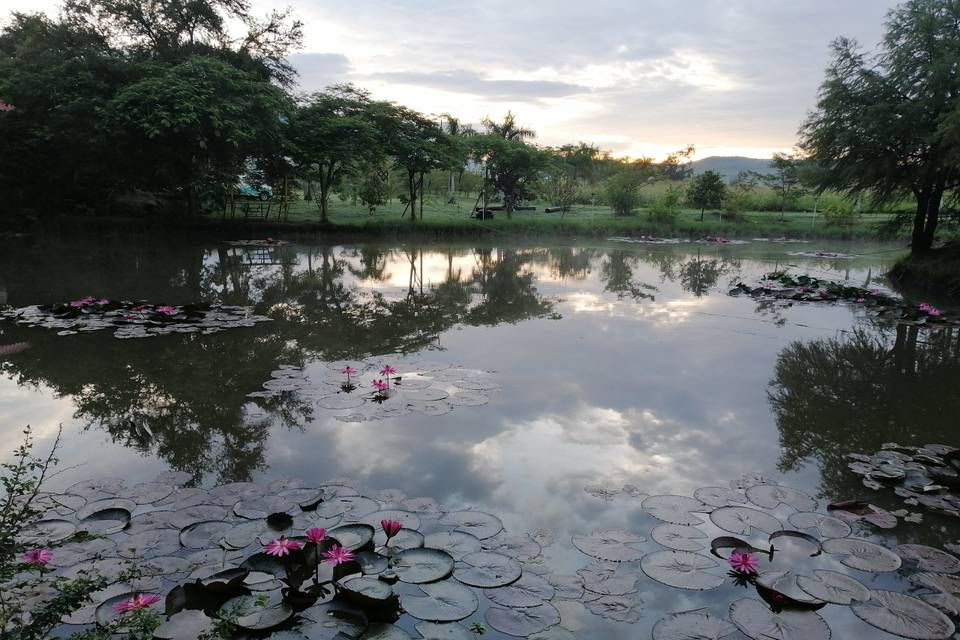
(337, 555)
(281, 547)
(348, 371)
(5, 106)
(103, 301)
(39, 556)
(380, 385)
(167, 310)
(387, 370)
(391, 527)
(743, 562)
(316, 535)
(138, 601)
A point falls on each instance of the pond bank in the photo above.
(937, 271)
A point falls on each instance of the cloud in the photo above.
(317, 71)
(472, 83)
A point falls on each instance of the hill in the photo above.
(730, 166)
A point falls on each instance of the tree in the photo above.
(623, 192)
(508, 129)
(559, 185)
(707, 190)
(785, 179)
(677, 165)
(889, 124)
(512, 165)
(333, 136)
(188, 129)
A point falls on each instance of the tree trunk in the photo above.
(412, 189)
(926, 219)
(701, 213)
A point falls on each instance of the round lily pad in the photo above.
(46, 532)
(522, 622)
(904, 616)
(444, 601)
(404, 539)
(352, 536)
(372, 563)
(407, 519)
(105, 517)
(151, 544)
(242, 535)
(674, 509)
(681, 569)
(188, 624)
(692, 625)
(468, 399)
(339, 401)
(568, 587)
(719, 497)
(944, 583)
(175, 478)
(430, 407)
(444, 631)
(863, 555)
(456, 543)
(928, 558)
(679, 537)
(757, 621)
(368, 589)
(833, 587)
(422, 565)
(92, 509)
(521, 547)
(480, 524)
(257, 508)
(628, 608)
(608, 579)
(232, 493)
(331, 620)
(784, 585)
(202, 535)
(353, 506)
(530, 590)
(770, 496)
(182, 518)
(305, 497)
(743, 520)
(827, 526)
(106, 615)
(92, 488)
(487, 569)
(253, 614)
(610, 544)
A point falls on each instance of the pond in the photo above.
(555, 385)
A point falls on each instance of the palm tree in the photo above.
(508, 129)
(453, 128)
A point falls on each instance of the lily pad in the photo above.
(756, 620)
(675, 509)
(417, 566)
(826, 526)
(332, 620)
(106, 615)
(522, 622)
(257, 508)
(407, 519)
(352, 536)
(530, 590)
(833, 587)
(568, 587)
(46, 532)
(487, 569)
(149, 492)
(681, 569)
(743, 520)
(928, 558)
(384, 631)
(445, 601)
(456, 543)
(678, 537)
(188, 624)
(628, 608)
(444, 631)
(608, 579)
(692, 625)
(94, 487)
(520, 547)
(202, 535)
(372, 563)
(610, 544)
(719, 496)
(770, 496)
(904, 616)
(863, 555)
(477, 523)
(367, 589)
(851, 511)
(254, 614)
(182, 518)
(150, 544)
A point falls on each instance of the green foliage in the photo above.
(888, 124)
(513, 166)
(706, 190)
(622, 193)
(841, 216)
(785, 179)
(666, 208)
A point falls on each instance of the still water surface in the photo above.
(617, 364)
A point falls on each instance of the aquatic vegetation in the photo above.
(358, 391)
(743, 562)
(132, 320)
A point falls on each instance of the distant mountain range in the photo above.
(730, 166)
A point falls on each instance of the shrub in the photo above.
(666, 207)
(840, 216)
(622, 192)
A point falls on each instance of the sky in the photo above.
(635, 77)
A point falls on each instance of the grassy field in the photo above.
(441, 218)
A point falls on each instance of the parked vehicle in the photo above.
(246, 190)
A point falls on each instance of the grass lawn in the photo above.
(441, 218)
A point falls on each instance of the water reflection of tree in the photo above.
(616, 273)
(699, 275)
(852, 394)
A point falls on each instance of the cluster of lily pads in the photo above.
(772, 540)
(644, 239)
(132, 319)
(926, 475)
(375, 389)
(285, 561)
(823, 254)
(784, 286)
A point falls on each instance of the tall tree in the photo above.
(707, 190)
(889, 124)
(508, 129)
(513, 166)
(333, 136)
(785, 179)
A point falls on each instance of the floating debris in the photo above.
(263, 242)
(823, 254)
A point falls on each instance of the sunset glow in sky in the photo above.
(640, 77)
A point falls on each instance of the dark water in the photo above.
(618, 364)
